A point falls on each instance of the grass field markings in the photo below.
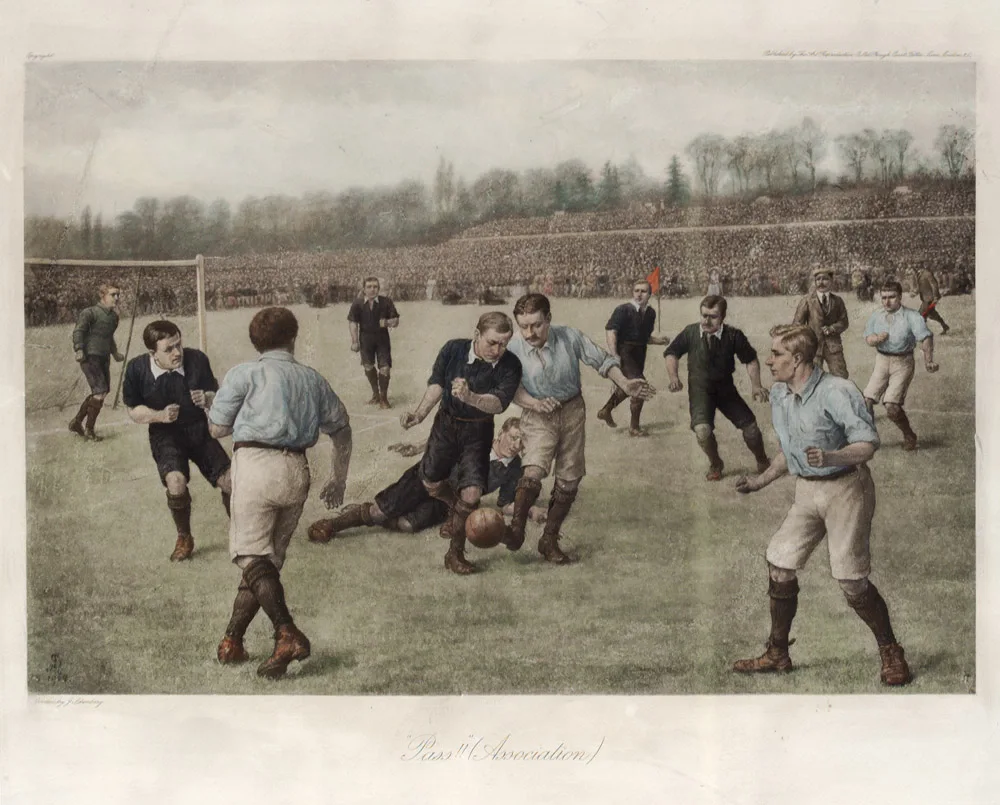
(386, 421)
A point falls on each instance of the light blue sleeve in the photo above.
(917, 324)
(333, 414)
(591, 354)
(850, 409)
(870, 326)
(230, 397)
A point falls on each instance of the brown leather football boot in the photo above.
(895, 671)
(548, 547)
(231, 651)
(183, 548)
(456, 562)
(775, 659)
(289, 645)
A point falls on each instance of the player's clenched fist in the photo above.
(171, 412)
(815, 457)
(460, 389)
(409, 419)
(675, 385)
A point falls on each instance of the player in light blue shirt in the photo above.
(827, 438)
(894, 332)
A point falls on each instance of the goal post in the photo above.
(198, 264)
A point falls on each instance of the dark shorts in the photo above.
(454, 443)
(408, 498)
(703, 404)
(376, 348)
(173, 449)
(633, 357)
(97, 370)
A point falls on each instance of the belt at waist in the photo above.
(450, 415)
(895, 354)
(265, 446)
(832, 476)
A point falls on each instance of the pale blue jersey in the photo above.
(554, 370)
(905, 328)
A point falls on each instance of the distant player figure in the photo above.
(714, 282)
(930, 295)
(94, 346)
(370, 319)
(554, 415)
(825, 313)
(473, 380)
(712, 348)
(275, 408)
(628, 332)
(169, 389)
(407, 506)
(827, 436)
(894, 332)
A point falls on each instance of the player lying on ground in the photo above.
(406, 505)
(170, 388)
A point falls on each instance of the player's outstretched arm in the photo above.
(636, 387)
(779, 466)
(757, 391)
(673, 376)
(332, 493)
(144, 415)
(927, 347)
(431, 398)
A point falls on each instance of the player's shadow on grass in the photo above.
(327, 663)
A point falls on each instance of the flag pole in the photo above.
(659, 296)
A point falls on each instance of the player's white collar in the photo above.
(473, 357)
(505, 461)
(157, 370)
(636, 305)
(716, 334)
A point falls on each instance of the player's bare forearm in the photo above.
(354, 331)
(431, 398)
(487, 403)
(875, 339)
(343, 446)
(659, 340)
(777, 468)
(144, 415)
(612, 338)
(616, 376)
(850, 456)
(219, 431)
(753, 370)
(392, 322)
(927, 347)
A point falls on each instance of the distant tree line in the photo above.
(411, 213)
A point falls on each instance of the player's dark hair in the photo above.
(894, 286)
(372, 279)
(273, 328)
(156, 331)
(104, 287)
(714, 301)
(798, 339)
(510, 422)
(495, 320)
(532, 303)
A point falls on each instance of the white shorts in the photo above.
(890, 378)
(558, 437)
(840, 510)
(270, 488)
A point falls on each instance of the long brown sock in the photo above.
(872, 609)
(180, 510)
(84, 410)
(784, 604)
(616, 398)
(245, 608)
(559, 506)
(755, 441)
(711, 448)
(525, 495)
(263, 579)
(459, 514)
(93, 411)
(372, 376)
(383, 387)
(901, 421)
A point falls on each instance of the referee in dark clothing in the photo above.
(712, 349)
(473, 379)
(370, 319)
(629, 331)
(170, 389)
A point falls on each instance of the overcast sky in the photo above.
(103, 134)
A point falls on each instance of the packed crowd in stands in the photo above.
(751, 261)
(831, 205)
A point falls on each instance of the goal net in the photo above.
(55, 291)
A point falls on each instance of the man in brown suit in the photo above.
(825, 314)
(930, 295)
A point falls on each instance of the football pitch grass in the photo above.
(669, 584)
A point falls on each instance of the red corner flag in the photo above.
(654, 280)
